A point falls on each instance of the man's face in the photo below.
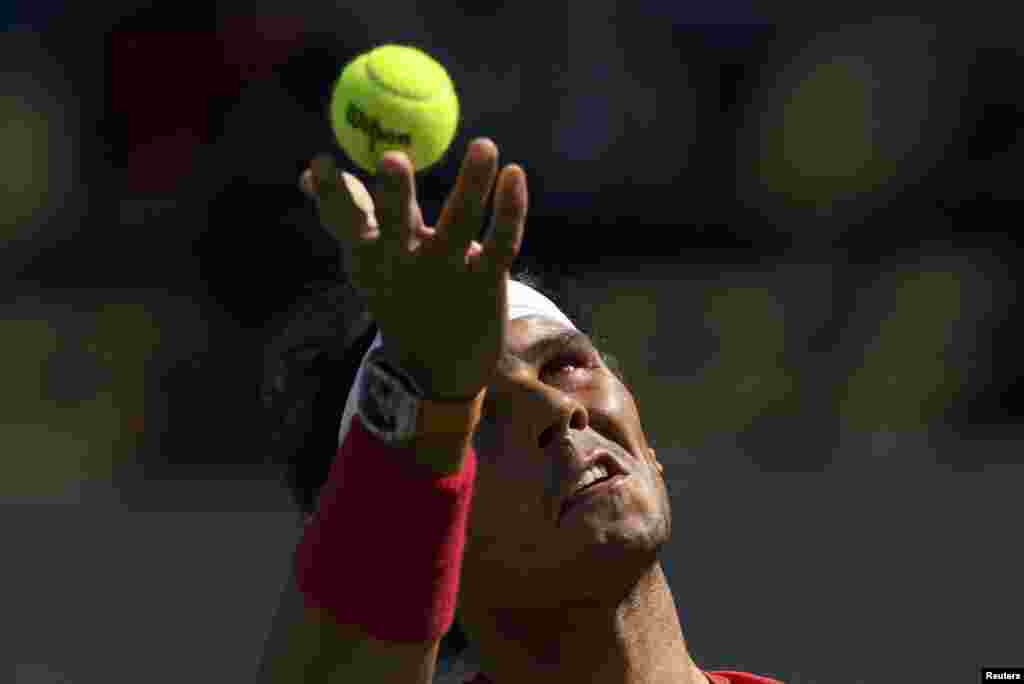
(545, 414)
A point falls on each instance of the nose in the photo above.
(537, 409)
(557, 414)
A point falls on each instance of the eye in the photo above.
(569, 361)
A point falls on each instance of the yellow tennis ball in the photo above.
(394, 97)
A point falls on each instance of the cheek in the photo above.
(502, 493)
(508, 513)
(611, 396)
(509, 486)
(500, 460)
(616, 411)
(626, 405)
(503, 525)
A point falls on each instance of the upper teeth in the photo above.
(592, 474)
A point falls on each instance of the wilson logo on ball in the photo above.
(361, 121)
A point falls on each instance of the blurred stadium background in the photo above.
(796, 230)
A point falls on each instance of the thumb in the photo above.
(324, 176)
(322, 182)
(345, 206)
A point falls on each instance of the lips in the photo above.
(601, 457)
(585, 494)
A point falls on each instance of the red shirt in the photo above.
(729, 677)
(718, 677)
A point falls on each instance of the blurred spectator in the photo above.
(857, 116)
(165, 82)
(40, 161)
(74, 399)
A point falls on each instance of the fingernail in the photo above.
(484, 145)
(516, 182)
(390, 164)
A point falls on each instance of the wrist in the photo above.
(398, 410)
(428, 383)
(442, 457)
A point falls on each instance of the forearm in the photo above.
(307, 647)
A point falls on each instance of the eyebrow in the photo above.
(542, 347)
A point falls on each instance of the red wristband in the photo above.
(384, 550)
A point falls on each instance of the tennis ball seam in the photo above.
(391, 90)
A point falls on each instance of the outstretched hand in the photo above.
(439, 297)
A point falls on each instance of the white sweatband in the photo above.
(523, 301)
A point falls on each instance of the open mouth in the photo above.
(593, 489)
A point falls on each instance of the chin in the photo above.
(627, 535)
